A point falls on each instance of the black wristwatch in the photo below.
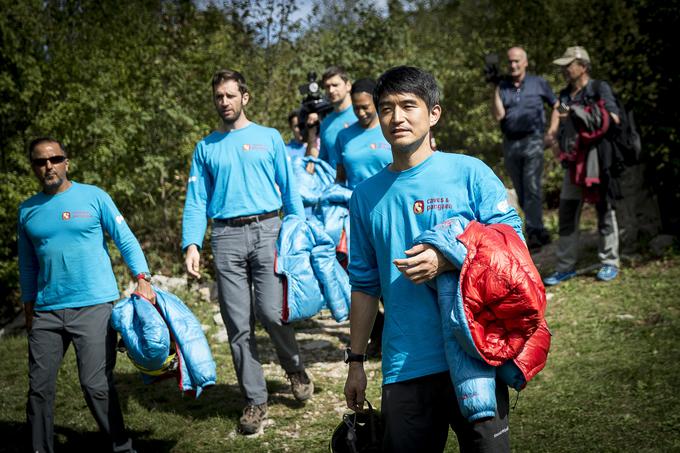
(352, 357)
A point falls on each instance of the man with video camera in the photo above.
(337, 85)
(518, 105)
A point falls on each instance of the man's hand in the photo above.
(355, 386)
(145, 290)
(549, 139)
(192, 261)
(424, 263)
(312, 120)
(312, 125)
(28, 315)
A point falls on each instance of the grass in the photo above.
(609, 386)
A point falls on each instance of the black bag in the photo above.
(624, 137)
(360, 432)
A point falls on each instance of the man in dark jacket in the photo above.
(581, 90)
(517, 104)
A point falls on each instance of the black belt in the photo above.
(248, 219)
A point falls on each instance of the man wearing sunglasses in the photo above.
(68, 288)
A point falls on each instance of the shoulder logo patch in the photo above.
(503, 206)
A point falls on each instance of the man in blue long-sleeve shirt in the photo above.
(240, 177)
(68, 286)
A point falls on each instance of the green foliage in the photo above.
(125, 85)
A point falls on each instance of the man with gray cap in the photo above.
(583, 91)
(518, 105)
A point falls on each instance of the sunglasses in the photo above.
(43, 161)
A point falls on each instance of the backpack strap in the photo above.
(596, 84)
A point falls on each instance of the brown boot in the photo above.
(302, 385)
(253, 418)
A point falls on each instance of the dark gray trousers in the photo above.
(571, 204)
(94, 340)
(524, 162)
(244, 257)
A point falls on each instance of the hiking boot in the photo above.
(253, 418)
(302, 385)
(558, 277)
(607, 273)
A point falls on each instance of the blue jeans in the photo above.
(524, 162)
(244, 259)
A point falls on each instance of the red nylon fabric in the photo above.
(503, 297)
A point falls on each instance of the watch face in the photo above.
(346, 355)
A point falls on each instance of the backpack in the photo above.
(624, 137)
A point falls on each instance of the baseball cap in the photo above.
(571, 54)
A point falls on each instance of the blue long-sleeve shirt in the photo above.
(238, 173)
(363, 152)
(387, 212)
(63, 258)
(331, 125)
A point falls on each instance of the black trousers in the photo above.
(417, 414)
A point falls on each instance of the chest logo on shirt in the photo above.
(66, 215)
(254, 147)
(432, 204)
(438, 204)
(375, 146)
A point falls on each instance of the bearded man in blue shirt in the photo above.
(68, 288)
(419, 190)
(240, 177)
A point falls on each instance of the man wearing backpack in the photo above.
(579, 100)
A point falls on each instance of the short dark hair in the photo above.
(333, 71)
(224, 75)
(294, 114)
(363, 86)
(39, 141)
(408, 79)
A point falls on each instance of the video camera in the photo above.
(492, 69)
(313, 102)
